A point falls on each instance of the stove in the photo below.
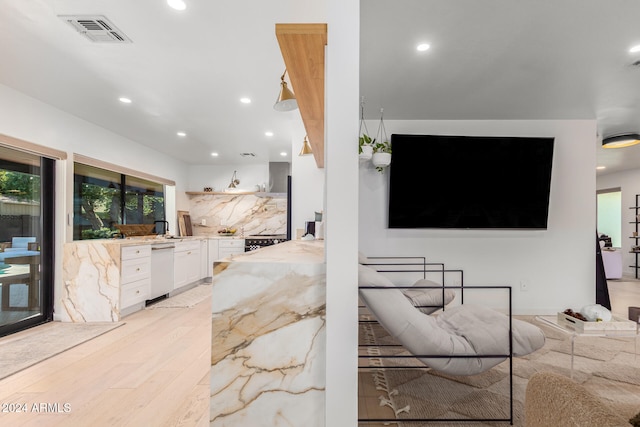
(251, 243)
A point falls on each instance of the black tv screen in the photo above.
(469, 182)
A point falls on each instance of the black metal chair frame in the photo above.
(425, 267)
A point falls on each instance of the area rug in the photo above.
(185, 299)
(607, 367)
(46, 341)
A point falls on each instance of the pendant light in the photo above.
(286, 99)
(306, 147)
(621, 141)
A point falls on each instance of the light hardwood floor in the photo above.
(624, 293)
(152, 371)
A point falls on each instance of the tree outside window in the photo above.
(100, 202)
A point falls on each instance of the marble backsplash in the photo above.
(245, 212)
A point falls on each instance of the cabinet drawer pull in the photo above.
(138, 291)
(138, 269)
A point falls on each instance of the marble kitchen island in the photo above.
(107, 279)
(268, 337)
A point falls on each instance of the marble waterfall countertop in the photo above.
(268, 344)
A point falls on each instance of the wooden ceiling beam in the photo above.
(302, 47)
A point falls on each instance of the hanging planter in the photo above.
(381, 157)
(365, 143)
(381, 160)
(366, 149)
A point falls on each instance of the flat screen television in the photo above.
(469, 182)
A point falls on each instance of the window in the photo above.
(104, 199)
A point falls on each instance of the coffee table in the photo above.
(573, 333)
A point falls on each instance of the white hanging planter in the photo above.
(381, 147)
(381, 160)
(367, 152)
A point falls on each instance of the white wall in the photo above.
(307, 183)
(629, 184)
(557, 264)
(26, 118)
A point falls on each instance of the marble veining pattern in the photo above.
(256, 215)
(91, 274)
(268, 340)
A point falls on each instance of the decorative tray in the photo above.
(612, 326)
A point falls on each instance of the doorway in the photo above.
(26, 239)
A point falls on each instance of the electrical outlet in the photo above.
(524, 285)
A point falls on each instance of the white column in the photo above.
(341, 164)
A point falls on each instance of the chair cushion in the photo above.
(362, 258)
(22, 242)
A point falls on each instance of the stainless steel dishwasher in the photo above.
(161, 269)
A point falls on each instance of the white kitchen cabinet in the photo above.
(135, 277)
(186, 265)
(229, 247)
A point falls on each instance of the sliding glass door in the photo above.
(26, 239)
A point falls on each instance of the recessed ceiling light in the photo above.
(214, 154)
(268, 133)
(600, 167)
(245, 100)
(177, 4)
(181, 134)
(283, 154)
(635, 49)
(423, 46)
(124, 100)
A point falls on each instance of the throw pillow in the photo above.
(428, 300)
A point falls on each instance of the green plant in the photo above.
(102, 233)
(382, 147)
(365, 140)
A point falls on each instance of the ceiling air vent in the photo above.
(248, 154)
(96, 28)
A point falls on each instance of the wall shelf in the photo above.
(239, 193)
(219, 193)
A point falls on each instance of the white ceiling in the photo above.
(186, 71)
